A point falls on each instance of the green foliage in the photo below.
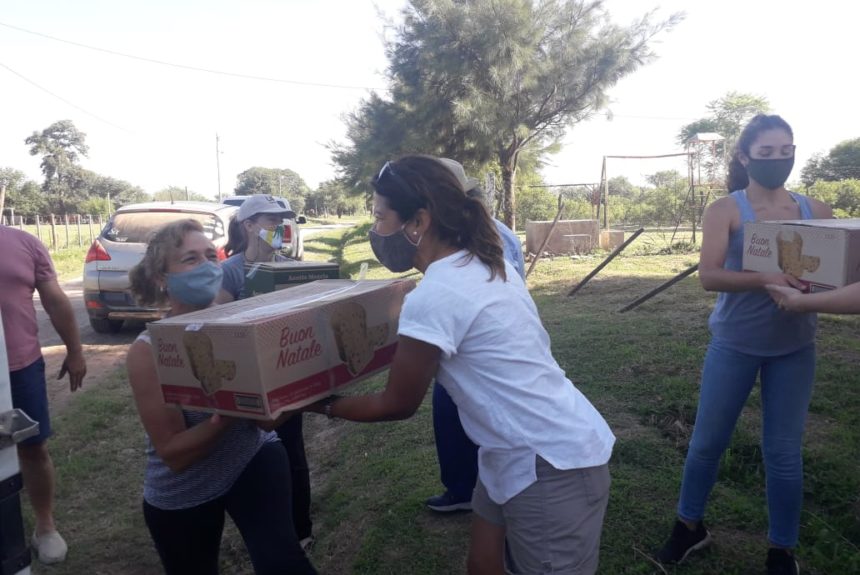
(175, 193)
(61, 144)
(843, 196)
(481, 81)
(841, 162)
(727, 117)
(331, 198)
(274, 182)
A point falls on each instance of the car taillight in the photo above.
(288, 234)
(222, 255)
(96, 253)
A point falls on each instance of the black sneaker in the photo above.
(683, 542)
(781, 562)
(445, 503)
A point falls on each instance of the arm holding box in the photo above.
(412, 370)
(716, 228)
(843, 300)
(178, 446)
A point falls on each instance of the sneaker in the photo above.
(781, 562)
(683, 542)
(50, 547)
(445, 503)
(307, 543)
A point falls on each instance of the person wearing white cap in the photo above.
(255, 235)
(457, 454)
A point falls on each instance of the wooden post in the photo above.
(660, 288)
(605, 262)
(546, 239)
(90, 225)
(605, 197)
(66, 223)
(38, 228)
(80, 242)
(21, 223)
(53, 232)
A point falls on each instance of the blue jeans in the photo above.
(458, 456)
(786, 388)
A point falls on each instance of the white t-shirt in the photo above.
(515, 401)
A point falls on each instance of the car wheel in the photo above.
(106, 325)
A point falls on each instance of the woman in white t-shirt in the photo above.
(543, 481)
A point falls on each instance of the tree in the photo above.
(486, 81)
(842, 195)
(727, 117)
(61, 144)
(841, 162)
(274, 182)
(175, 193)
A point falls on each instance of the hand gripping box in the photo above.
(278, 351)
(271, 276)
(825, 254)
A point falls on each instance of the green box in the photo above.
(271, 276)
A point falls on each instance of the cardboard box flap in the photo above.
(836, 224)
(265, 306)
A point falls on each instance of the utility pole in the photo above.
(2, 197)
(218, 163)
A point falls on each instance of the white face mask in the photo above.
(274, 238)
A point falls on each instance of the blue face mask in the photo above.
(196, 287)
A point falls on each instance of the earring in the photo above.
(415, 233)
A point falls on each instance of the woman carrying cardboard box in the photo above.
(255, 235)
(200, 467)
(751, 336)
(543, 478)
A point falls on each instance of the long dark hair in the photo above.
(737, 178)
(237, 235)
(413, 182)
(143, 276)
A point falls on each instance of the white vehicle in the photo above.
(293, 246)
(121, 245)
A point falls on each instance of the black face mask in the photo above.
(770, 174)
(395, 251)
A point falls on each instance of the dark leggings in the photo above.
(188, 540)
(291, 436)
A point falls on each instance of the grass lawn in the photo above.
(641, 369)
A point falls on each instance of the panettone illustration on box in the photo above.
(355, 341)
(210, 372)
(790, 258)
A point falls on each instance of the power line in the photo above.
(189, 67)
(73, 105)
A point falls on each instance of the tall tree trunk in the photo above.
(508, 164)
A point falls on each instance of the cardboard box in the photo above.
(279, 351)
(272, 276)
(825, 254)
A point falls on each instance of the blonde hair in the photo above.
(144, 276)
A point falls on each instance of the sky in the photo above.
(155, 125)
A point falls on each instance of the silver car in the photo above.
(121, 245)
(293, 245)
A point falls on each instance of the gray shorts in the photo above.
(554, 525)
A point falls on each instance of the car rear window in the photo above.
(138, 227)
